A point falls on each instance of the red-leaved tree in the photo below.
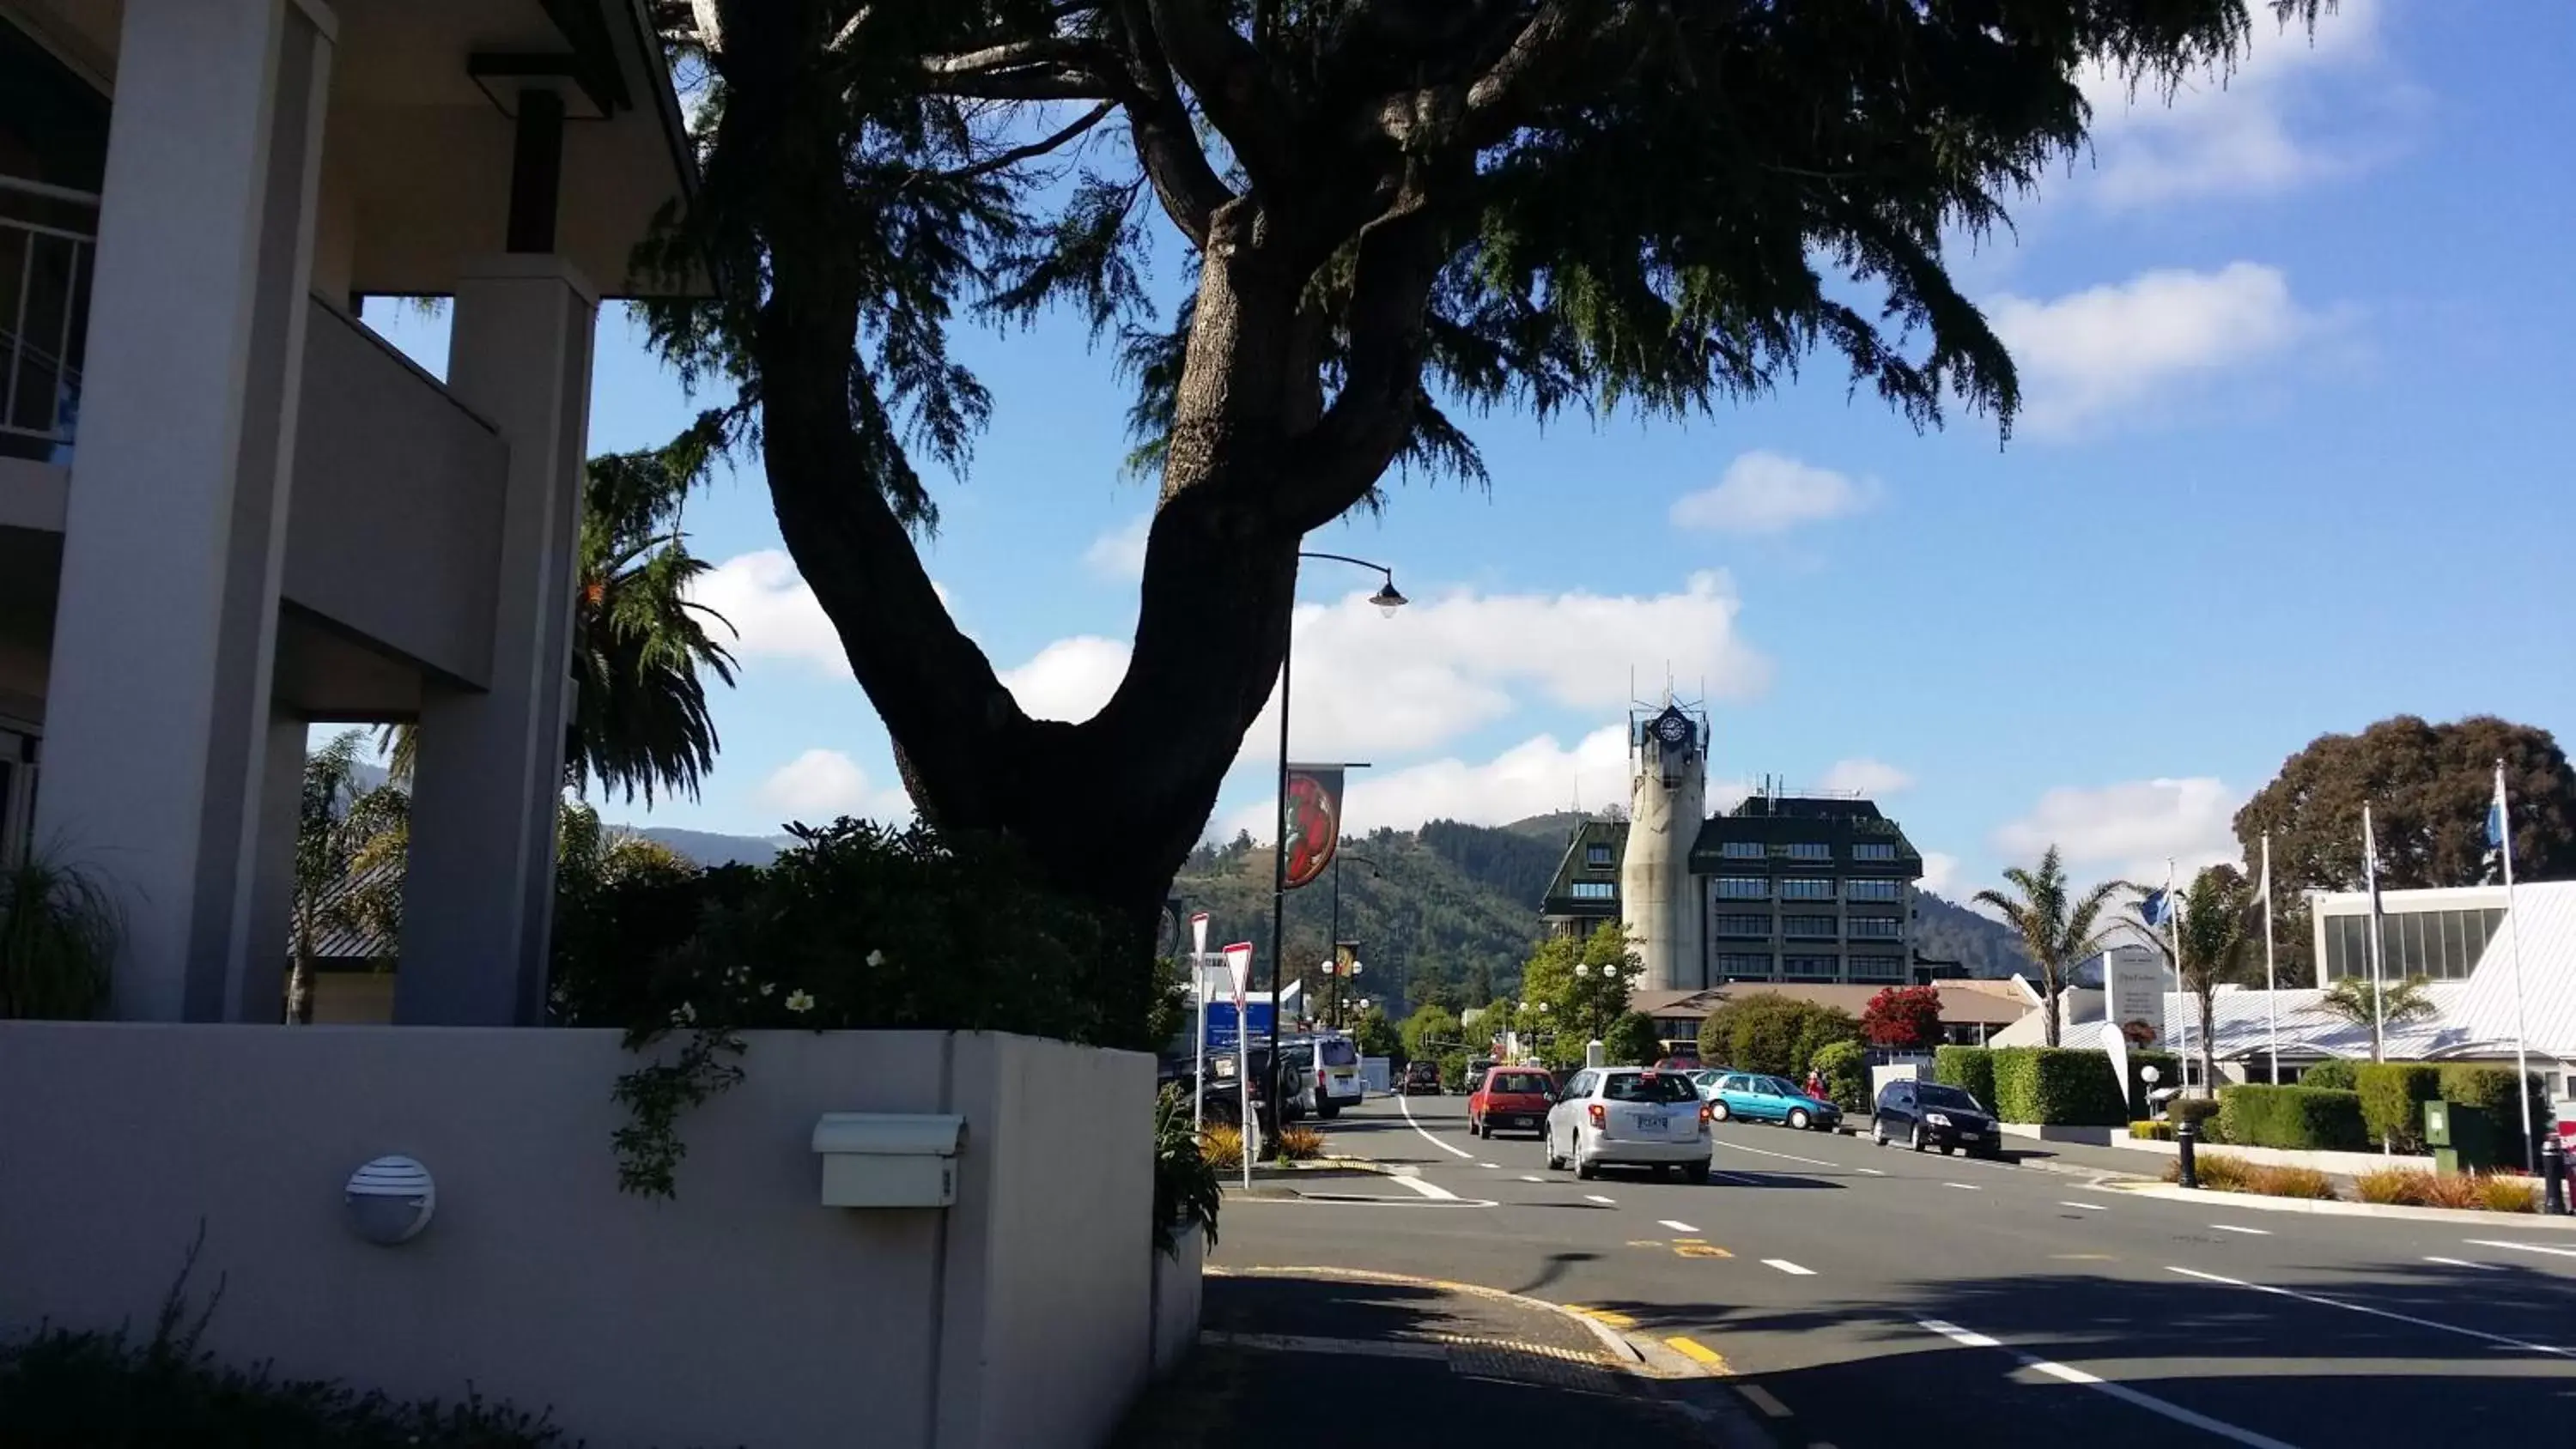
(1905, 1018)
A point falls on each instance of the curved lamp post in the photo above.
(1388, 600)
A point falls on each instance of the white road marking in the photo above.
(1785, 1156)
(1679, 1227)
(1491, 1166)
(2463, 1263)
(2250, 1232)
(1785, 1266)
(2373, 1312)
(1874, 1172)
(1429, 1189)
(1964, 1186)
(1405, 1106)
(1762, 1398)
(1525, 1177)
(1739, 1181)
(1596, 1197)
(2523, 1247)
(2122, 1392)
(2090, 1207)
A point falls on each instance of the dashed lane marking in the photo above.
(2249, 1232)
(1784, 1156)
(1964, 1186)
(2090, 1207)
(2373, 1312)
(2085, 1257)
(1679, 1227)
(1525, 1177)
(2521, 1247)
(1596, 1197)
(1872, 1171)
(2463, 1263)
(1406, 1107)
(1491, 1166)
(2122, 1392)
(1792, 1269)
(1698, 1353)
(1762, 1398)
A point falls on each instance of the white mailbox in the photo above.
(885, 1159)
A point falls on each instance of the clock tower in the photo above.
(1667, 793)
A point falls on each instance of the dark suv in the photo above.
(1925, 1115)
(1422, 1079)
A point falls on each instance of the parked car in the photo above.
(1511, 1099)
(1679, 1062)
(1335, 1075)
(1706, 1079)
(1474, 1074)
(1222, 1099)
(1925, 1115)
(1758, 1098)
(1629, 1117)
(1422, 1079)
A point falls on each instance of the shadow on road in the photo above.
(1554, 1269)
(1730, 1177)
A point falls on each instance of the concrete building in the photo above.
(228, 510)
(1790, 886)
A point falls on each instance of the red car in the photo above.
(1511, 1098)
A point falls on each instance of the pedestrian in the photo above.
(1815, 1084)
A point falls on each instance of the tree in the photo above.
(1631, 1041)
(2428, 787)
(1583, 981)
(348, 875)
(1430, 1030)
(1390, 211)
(1376, 1036)
(640, 644)
(2218, 932)
(2399, 1002)
(1903, 1018)
(1845, 1067)
(2058, 930)
(1763, 1031)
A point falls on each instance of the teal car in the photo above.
(1757, 1098)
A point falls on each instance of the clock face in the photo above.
(1673, 729)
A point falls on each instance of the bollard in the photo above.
(2553, 1176)
(2186, 1137)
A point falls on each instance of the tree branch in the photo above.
(1524, 80)
(1246, 98)
(1017, 154)
(1166, 141)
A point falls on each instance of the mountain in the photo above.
(1946, 932)
(707, 848)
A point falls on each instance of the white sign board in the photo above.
(2134, 977)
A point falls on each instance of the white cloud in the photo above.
(2123, 345)
(1873, 778)
(2128, 829)
(1763, 492)
(824, 784)
(2234, 134)
(1941, 876)
(1119, 554)
(1368, 685)
(773, 611)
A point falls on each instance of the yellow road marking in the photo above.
(1605, 1316)
(1761, 1399)
(1698, 1353)
(1645, 1242)
(1700, 1250)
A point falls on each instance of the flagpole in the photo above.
(2370, 878)
(2521, 1061)
(2271, 979)
(2173, 943)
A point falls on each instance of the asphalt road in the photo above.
(1867, 1296)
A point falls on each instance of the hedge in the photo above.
(2201, 1112)
(2299, 1118)
(1970, 1069)
(2491, 1090)
(2057, 1086)
(2331, 1074)
(2393, 1095)
(1845, 1065)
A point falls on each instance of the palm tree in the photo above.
(640, 720)
(348, 848)
(2399, 1002)
(2213, 927)
(2057, 931)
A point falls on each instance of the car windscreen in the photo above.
(1338, 1053)
(1774, 1087)
(1529, 1084)
(1638, 1087)
(1931, 1095)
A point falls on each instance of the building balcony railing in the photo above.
(48, 247)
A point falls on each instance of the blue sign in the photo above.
(1221, 1023)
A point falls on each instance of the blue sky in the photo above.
(2296, 349)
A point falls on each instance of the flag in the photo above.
(2263, 892)
(2155, 906)
(1312, 829)
(2496, 815)
(2370, 866)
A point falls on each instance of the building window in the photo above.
(1810, 850)
(1741, 850)
(1878, 968)
(1732, 966)
(1874, 890)
(1743, 888)
(1807, 888)
(1742, 926)
(1596, 855)
(1877, 928)
(1593, 890)
(2442, 945)
(1873, 850)
(1824, 966)
(1819, 926)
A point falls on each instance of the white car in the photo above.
(1629, 1117)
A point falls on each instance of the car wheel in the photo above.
(1877, 1133)
(1584, 1169)
(1485, 1130)
(1920, 1142)
(1798, 1118)
(1717, 1111)
(1554, 1162)
(1700, 1175)
(1329, 1110)
(1950, 1150)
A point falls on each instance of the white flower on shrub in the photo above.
(800, 1001)
(768, 988)
(686, 1015)
(876, 958)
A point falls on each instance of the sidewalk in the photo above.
(1288, 1354)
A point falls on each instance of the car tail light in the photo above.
(1600, 1118)
(1703, 1112)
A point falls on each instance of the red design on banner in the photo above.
(1314, 824)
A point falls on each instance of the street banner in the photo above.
(1313, 829)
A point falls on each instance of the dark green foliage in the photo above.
(2491, 1090)
(2298, 1118)
(1763, 1031)
(1430, 1031)
(2333, 1075)
(1506, 860)
(1185, 1185)
(2204, 1113)
(1985, 946)
(1845, 1065)
(1375, 1036)
(1970, 1069)
(2393, 1095)
(2056, 1086)
(1631, 1042)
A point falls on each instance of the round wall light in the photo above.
(390, 1200)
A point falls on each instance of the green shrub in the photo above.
(2150, 1131)
(2057, 1086)
(2491, 1089)
(1763, 1031)
(2334, 1076)
(2298, 1118)
(2304, 1182)
(1630, 1041)
(1845, 1065)
(1185, 1185)
(2506, 1192)
(1970, 1069)
(2393, 1095)
(2201, 1112)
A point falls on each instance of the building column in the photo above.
(259, 989)
(478, 898)
(157, 707)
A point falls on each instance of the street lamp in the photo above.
(1387, 601)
